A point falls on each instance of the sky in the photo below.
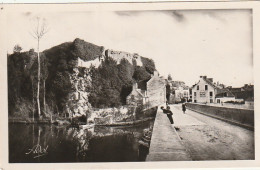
(184, 43)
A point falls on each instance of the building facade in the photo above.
(182, 94)
(154, 95)
(137, 96)
(179, 92)
(204, 91)
(156, 90)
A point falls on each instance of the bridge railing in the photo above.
(242, 117)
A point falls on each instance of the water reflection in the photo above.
(50, 143)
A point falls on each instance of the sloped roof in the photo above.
(142, 84)
(224, 93)
(140, 92)
(239, 89)
(194, 85)
(207, 81)
(210, 83)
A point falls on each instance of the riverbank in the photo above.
(107, 117)
(29, 121)
(127, 123)
(67, 122)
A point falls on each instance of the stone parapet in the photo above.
(241, 117)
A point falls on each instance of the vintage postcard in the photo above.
(129, 85)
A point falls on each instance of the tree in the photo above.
(33, 76)
(17, 48)
(44, 76)
(38, 32)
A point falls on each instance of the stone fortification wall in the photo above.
(119, 55)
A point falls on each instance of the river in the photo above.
(33, 143)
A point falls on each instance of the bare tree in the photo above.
(44, 76)
(38, 32)
(32, 78)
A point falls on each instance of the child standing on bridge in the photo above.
(168, 112)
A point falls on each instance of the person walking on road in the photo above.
(183, 108)
(168, 112)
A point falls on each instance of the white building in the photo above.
(204, 91)
(182, 93)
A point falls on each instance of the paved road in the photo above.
(207, 138)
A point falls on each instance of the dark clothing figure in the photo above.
(170, 118)
(183, 108)
(168, 112)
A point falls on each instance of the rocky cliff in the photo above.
(77, 75)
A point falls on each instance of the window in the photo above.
(211, 100)
(211, 94)
(206, 87)
(198, 87)
(194, 93)
(195, 101)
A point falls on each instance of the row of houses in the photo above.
(153, 92)
(177, 91)
(206, 91)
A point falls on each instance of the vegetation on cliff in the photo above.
(110, 82)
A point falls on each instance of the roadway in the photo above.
(207, 138)
(200, 138)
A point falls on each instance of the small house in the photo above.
(137, 96)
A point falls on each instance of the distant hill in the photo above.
(103, 77)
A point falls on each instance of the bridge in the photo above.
(196, 136)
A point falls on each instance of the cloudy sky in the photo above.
(185, 44)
